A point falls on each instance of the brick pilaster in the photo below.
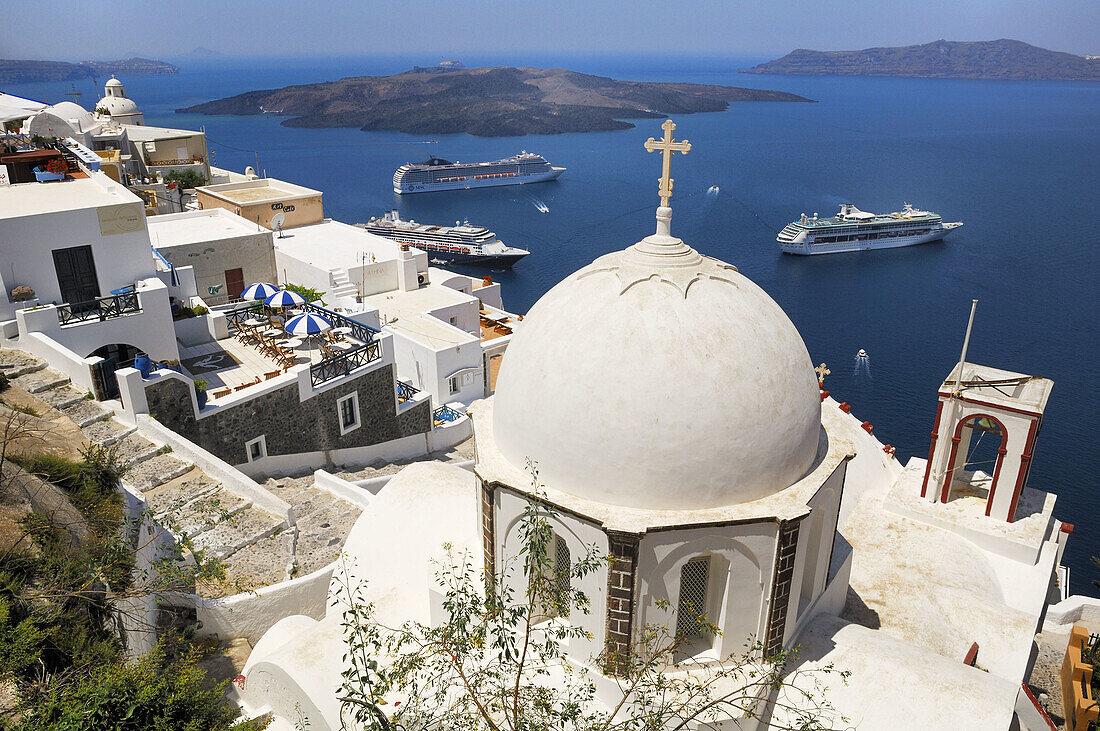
(488, 529)
(623, 551)
(786, 547)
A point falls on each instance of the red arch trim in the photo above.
(1001, 451)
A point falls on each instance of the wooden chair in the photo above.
(272, 374)
(222, 392)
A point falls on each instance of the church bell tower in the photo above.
(987, 422)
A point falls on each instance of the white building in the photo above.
(435, 316)
(226, 252)
(672, 409)
(82, 246)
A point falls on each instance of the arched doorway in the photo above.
(978, 448)
(115, 356)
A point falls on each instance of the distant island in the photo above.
(25, 72)
(485, 102)
(1003, 59)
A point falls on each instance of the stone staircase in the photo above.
(258, 547)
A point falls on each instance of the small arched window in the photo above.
(692, 610)
(552, 595)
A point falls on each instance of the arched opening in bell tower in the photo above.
(978, 448)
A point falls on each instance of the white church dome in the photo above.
(118, 105)
(659, 378)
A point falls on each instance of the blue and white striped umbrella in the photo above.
(285, 298)
(259, 291)
(307, 324)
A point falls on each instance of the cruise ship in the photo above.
(856, 230)
(458, 244)
(440, 174)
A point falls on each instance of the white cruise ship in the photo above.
(856, 230)
(458, 244)
(440, 174)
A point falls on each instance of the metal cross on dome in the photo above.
(822, 371)
(667, 146)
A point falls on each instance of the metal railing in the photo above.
(344, 363)
(363, 333)
(239, 315)
(359, 331)
(101, 308)
(406, 391)
(446, 413)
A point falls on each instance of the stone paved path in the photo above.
(258, 547)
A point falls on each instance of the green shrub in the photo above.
(311, 295)
(199, 310)
(185, 178)
(156, 693)
(19, 642)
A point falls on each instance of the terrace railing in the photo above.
(406, 391)
(359, 331)
(445, 413)
(238, 315)
(101, 308)
(344, 363)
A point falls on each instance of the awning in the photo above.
(16, 107)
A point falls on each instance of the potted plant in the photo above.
(54, 169)
(200, 392)
(144, 364)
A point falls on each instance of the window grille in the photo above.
(554, 589)
(694, 577)
(561, 571)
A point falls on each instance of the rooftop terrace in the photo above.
(263, 190)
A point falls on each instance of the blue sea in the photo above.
(1016, 161)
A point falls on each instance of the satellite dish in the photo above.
(277, 223)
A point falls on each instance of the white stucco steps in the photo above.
(41, 380)
(14, 363)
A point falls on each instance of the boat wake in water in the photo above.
(863, 364)
(542, 207)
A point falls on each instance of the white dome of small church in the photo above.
(117, 105)
(659, 378)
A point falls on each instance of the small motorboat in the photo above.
(862, 353)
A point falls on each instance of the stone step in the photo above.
(240, 530)
(317, 547)
(291, 489)
(15, 363)
(85, 413)
(175, 500)
(314, 501)
(157, 471)
(207, 512)
(62, 396)
(107, 432)
(41, 380)
(135, 449)
(263, 563)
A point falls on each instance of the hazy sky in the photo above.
(106, 30)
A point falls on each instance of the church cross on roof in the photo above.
(667, 146)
